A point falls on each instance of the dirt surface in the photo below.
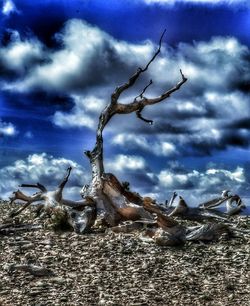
(104, 268)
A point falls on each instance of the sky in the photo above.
(60, 61)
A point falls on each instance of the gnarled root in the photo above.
(80, 215)
(207, 232)
(234, 204)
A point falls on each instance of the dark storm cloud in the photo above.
(243, 123)
(162, 127)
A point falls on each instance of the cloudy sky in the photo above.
(61, 60)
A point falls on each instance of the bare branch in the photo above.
(180, 209)
(166, 94)
(65, 179)
(138, 112)
(139, 115)
(78, 204)
(214, 203)
(157, 51)
(172, 199)
(116, 94)
(140, 104)
(19, 195)
(144, 90)
(37, 185)
(234, 209)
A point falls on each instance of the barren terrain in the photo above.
(104, 268)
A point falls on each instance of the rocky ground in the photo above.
(103, 268)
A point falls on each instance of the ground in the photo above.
(104, 268)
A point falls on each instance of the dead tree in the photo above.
(106, 192)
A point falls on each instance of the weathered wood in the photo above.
(207, 232)
(183, 211)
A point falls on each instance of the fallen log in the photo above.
(183, 211)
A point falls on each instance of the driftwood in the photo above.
(194, 213)
(207, 232)
(234, 204)
(156, 221)
(80, 215)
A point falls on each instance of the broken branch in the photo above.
(116, 94)
(37, 185)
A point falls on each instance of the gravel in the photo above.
(106, 268)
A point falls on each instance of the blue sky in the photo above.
(61, 60)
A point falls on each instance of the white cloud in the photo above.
(19, 55)
(42, 168)
(88, 56)
(195, 186)
(156, 146)
(83, 114)
(237, 175)
(8, 7)
(199, 186)
(210, 181)
(7, 129)
(123, 163)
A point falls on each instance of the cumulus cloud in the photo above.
(195, 186)
(198, 186)
(84, 113)
(156, 146)
(211, 179)
(134, 169)
(123, 163)
(7, 129)
(88, 57)
(19, 56)
(42, 168)
(8, 7)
